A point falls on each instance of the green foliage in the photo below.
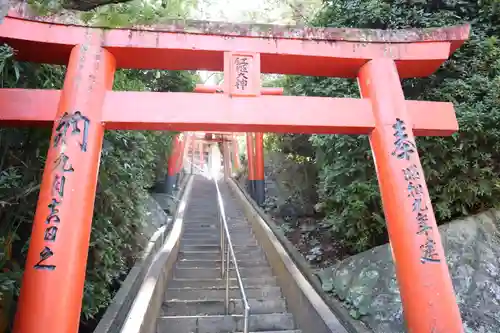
(138, 12)
(119, 13)
(461, 171)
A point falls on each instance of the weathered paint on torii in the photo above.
(52, 287)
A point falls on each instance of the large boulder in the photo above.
(366, 283)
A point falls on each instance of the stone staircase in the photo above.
(195, 297)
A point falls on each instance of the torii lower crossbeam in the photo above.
(220, 113)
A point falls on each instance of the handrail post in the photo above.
(222, 243)
(227, 281)
(245, 319)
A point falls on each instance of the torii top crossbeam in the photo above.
(200, 45)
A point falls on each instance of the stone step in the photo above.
(211, 221)
(248, 240)
(215, 233)
(217, 307)
(215, 227)
(280, 331)
(221, 323)
(214, 273)
(216, 248)
(220, 283)
(201, 255)
(230, 218)
(184, 263)
(220, 294)
(200, 234)
(215, 236)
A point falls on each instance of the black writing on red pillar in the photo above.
(53, 216)
(241, 72)
(73, 121)
(62, 167)
(428, 250)
(45, 255)
(411, 173)
(51, 233)
(404, 149)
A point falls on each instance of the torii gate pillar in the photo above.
(180, 161)
(250, 164)
(61, 229)
(236, 154)
(259, 181)
(201, 151)
(173, 165)
(429, 301)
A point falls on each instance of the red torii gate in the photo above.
(51, 294)
(255, 148)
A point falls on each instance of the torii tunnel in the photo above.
(52, 287)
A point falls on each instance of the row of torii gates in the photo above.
(52, 287)
(184, 144)
(193, 148)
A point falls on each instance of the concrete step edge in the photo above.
(223, 288)
(221, 280)
(223, 316)
(218, 260)
(216, 300)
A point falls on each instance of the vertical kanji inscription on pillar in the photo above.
(62, 168)
(404, 149)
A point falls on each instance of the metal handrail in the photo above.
(227, 255)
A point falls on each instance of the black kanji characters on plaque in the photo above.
(241, 72)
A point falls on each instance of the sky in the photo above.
(231, 10)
